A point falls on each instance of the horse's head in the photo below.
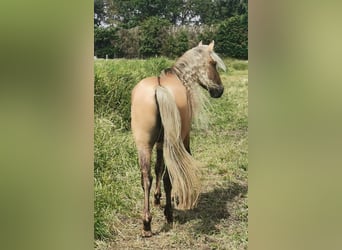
(199, 65)
(211, 79)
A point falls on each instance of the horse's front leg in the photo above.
(146, 183)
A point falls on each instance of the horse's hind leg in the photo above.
(167, 188)
(146, 183)
(160, 167)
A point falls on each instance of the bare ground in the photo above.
(218, 222)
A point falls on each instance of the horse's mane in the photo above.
(191, 68)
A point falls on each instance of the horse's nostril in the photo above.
(216, 93)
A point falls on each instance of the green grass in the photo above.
(114, 80)
(220, 219)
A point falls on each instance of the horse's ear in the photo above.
(211, 46)
(200, 43)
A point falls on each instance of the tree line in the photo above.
(146, 28)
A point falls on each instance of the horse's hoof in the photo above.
(157, 203)
(157, 199)
(168, 215)
(146, 234)
(169, 219)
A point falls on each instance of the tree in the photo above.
(128, 14)
(232, 37)
(138, 28)
(103, 42)
(175, 44)
(215, 11)
(99, 12)
(153, 31)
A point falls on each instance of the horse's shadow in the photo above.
(212, 207)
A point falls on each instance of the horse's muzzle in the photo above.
(216, 92)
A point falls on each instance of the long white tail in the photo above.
(182, 167)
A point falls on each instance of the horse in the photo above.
(162, 111)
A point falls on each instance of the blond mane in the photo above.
(191, 69)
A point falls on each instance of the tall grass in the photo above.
(114, 80)
(114, 167)
(116, 170)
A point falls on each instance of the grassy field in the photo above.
(220, 220)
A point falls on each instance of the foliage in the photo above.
(99, 12)
(175, 44)
(142, 29)
(156, 37)
(103, 42)
(232, 37)
(151, 36)
(129, 14)
(207, 35)
(215, 11)
(181, 44)
(114, 80)
(128, 42)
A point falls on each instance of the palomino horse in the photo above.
(162, 111)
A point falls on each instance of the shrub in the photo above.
(153, 32)
(155, 37)
(103, 45)
(128, 42)
(232, 37)
(175, 44)
(207, 35)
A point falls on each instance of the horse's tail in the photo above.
(183, 169)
